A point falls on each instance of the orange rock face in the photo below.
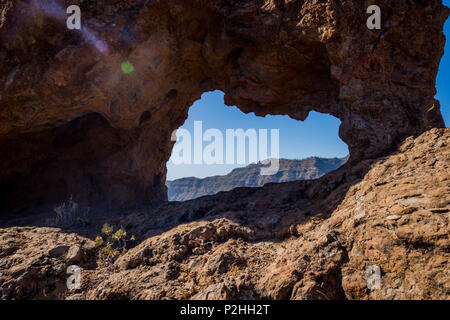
(72, 122)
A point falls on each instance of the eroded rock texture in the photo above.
(246, 244)
(71, 122)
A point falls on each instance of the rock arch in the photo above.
(71, 122)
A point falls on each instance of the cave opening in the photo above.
(219, 148)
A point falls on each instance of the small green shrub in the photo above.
(112, 244)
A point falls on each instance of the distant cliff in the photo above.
(249, 176)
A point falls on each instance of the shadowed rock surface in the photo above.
(281, 241)
(72, 123)
(250, 176)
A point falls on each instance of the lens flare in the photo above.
(101, 46)
(57, 12)
(127, 67)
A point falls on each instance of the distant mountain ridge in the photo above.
(290, 170)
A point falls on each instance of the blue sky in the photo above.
(316, 136)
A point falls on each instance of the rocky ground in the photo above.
(333, 238)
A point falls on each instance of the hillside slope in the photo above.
(249, 176)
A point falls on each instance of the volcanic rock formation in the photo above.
(281, 241)
(73, 123)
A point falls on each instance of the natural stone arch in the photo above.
(269, 57)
